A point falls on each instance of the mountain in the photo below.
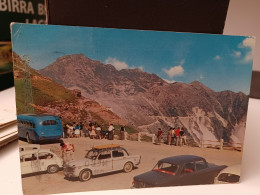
(148, 102)
(52, 98)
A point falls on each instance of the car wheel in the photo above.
(128, 167)
(53, 169)
(28, 139)
(85, 175)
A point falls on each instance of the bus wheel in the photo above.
(28, 139)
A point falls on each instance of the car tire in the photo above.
(85, 175)
(128, 167)
(53, 169)
(28, 139)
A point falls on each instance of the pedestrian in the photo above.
(98, 132)
(81, 128)
(159, 136)
(67, 151)
(92, 132)
(77, 131)
(65, 131)
(177, 134)
(173, 136)
(86, 129)
(122, 132)
(111, 132)
(169, 136)
(182, 137)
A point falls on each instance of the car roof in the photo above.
(181, 159)
(34, 151)
(110, 146)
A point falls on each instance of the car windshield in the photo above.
(92, 154)
(167, 168)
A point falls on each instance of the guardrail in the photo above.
(221, 145)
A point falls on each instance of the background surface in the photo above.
(243, 19)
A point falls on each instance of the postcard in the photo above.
(107, 109)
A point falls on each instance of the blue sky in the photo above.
(218, 61)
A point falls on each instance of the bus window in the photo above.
(49, 122)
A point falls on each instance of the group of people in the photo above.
(91, 130)
(175, 136)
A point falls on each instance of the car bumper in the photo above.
(68, 172)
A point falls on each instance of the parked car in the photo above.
(38, 160)
(229, 175)
(178, 171)
(101, 159)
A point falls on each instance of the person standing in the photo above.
(169, 136)
(173, 136)
(93, 132)
(81, 127)
(159, 136)
(77, 131)
(98, 132)
(182, 137)
(122, 132)
(67, 151)
(111, 132)
(177, 134)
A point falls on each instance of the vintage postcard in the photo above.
(107, 109)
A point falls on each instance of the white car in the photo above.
(101, 159)
(38, 160)
(230, 174)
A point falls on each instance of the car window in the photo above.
(117, 153)
(92, 154)
(29, 157)
(228, 177)
(45, 155)
(188, 168)
(104, 155)
(166, 168)
(200, 165)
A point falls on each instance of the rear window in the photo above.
(228, 177)
(49, 122)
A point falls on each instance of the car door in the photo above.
(204, 174)
(45, 159)
(188, 174)
(103, 163)
(119, 159)
(29, 163)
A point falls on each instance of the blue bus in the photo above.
(35, 128)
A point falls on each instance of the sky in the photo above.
(221, 62)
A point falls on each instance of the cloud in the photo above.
(236, 54)
(141, 68)
(119, 65)
(249, 44)
(168, 81)
(175, 71)
(217, 57)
